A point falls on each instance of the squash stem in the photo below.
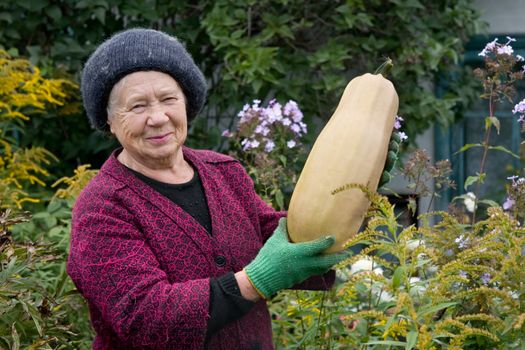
(385, 67)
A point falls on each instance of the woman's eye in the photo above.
(138, 108)
(169, 99)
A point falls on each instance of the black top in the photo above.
(226, 301)
(189, 196)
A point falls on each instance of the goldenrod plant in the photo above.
(454, 281)
(39, 306)
(24, 93)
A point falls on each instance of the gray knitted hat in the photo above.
(138, 50)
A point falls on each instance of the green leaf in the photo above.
(41, 215)
(54, 12)
(53, 206)
(435, 308)
(386, 342)
(411, 340)
(489, 202)
(489, 121)
(33, 312)
(100, 14)
(468, 146)
(6, 16)
(16, 338)
(470, 180)
(283, 160)
(398, 277)
(505, 150)
(11, 270)
(279, 198)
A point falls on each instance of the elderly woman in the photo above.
(171, 246)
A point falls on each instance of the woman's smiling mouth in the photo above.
(159, 138)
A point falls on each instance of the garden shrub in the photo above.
(39, 306)
(282, 49)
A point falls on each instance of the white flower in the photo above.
(365, 264)
(291, 144)
(383, 295)
(462, 241)
(414, 243)
(416, 286)
(470, 201)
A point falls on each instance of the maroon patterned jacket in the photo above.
(144, 264)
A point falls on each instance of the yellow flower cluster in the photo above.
(23, 92)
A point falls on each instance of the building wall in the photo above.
(503, 16)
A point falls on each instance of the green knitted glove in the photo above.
(391, 158)
(281, 264)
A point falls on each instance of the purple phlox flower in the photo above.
(520, 58)
(488, 48)
(248, 144)
(256, 102)
(270, 145)
(291, 109)
(505, 50)
(402, 136)
(519, 108)
(273, 112)
(397, 123)
(286, 121)
(291, 144)
(508, 204)
(303, 127)
(227, 133)
(485, 278)
(516, 180)
(296, 128)
(261, 129)
(461, 242)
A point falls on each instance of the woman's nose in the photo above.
(157, 115)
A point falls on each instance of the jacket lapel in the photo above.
(189, 225)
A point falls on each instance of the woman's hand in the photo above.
(281, 264)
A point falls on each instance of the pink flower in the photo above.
(519, 108)
(488, 48)
(397, 123)
(505, 50)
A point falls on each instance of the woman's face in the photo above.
(147, 114)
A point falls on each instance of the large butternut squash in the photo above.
(351, 148)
